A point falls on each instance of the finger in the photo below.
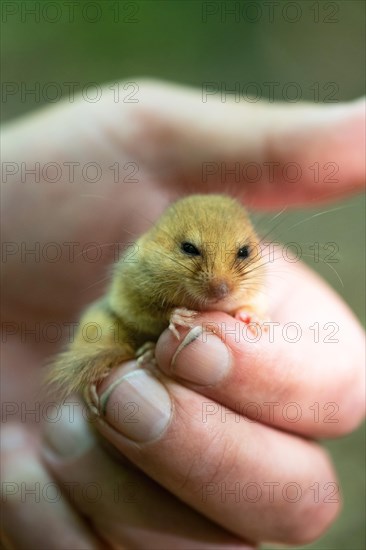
(283, 154)
(294, 375)
(272, 154)
(34, 512)
(122, 503)
(223, 469)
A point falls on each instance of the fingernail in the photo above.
(201, 358)
(69, 436)
(137, 405)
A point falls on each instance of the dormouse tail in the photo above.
(72, 371)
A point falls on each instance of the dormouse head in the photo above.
(203, 254)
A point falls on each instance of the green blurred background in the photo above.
(318, 45)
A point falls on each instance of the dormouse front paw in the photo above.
(251, 319)
(182, 317)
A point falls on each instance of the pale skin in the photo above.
(170, 135)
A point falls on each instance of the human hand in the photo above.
(171, 144)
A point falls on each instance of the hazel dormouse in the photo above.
(202, 255)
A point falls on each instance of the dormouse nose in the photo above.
(218, 289)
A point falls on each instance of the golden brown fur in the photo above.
(144, 292)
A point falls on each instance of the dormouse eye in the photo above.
(189, 248)
(243, 252)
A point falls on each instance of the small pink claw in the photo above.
(181, 317)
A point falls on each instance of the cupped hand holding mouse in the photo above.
(204, 466)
